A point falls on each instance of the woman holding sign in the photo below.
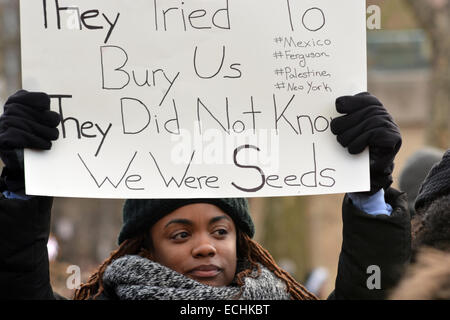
(202, 248)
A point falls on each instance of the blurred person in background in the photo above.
(432, 225)
(316, 281)
(428, 278)
(415, 171)
(153, 263)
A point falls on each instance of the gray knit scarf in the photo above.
(133, 277)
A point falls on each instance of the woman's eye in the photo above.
(180, 236)
(221, 232)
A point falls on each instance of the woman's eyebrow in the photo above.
(181, 221)
(215, 219)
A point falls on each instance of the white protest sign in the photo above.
(175, 99)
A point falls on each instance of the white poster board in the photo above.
(182, 99)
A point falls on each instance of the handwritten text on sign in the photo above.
(171, 98)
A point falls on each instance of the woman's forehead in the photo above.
(195, 213)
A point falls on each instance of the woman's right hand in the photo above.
(27, 122)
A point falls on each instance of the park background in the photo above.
(408, 70)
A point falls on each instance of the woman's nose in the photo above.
(204, 248)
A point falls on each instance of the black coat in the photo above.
(383, 241)
(367, 240)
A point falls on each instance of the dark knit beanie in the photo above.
(436, 184)
(415, 171)
(140, 214)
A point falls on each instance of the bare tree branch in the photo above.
(434, 17)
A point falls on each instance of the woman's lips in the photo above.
(205, 271)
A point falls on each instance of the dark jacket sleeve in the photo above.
(371, 244)
(24, 232)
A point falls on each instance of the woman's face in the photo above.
(198, 241)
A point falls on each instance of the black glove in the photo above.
(27, 122)
(368, 124)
